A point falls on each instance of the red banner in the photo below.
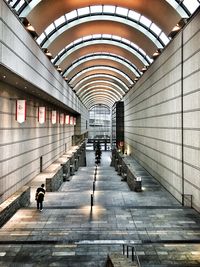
(67, 119)
(41, 115)
(53, 116)
(62, 118)
(20, 110)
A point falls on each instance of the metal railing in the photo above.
(187, 200)
(134, 256)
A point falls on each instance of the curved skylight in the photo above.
(104, 56)
(105, 94)
(114, 13)
(184, 8)
(81, 90)
(101, 68)
(97, 87)
(104, 39)
(101, 91)
(99, 100)
(101, 77)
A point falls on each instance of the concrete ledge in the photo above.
(125, 167)
(19, 199)
(53, 177)
(61, 169)
(119, 260)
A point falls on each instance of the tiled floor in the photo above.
(70, 233)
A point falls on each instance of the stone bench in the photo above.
(124, 165)
(133, 180)
(53, 177)
(64, 161)
(19, 199)
(119, 260)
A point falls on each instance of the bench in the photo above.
(124, 165)
(119, 260)
(19, 199)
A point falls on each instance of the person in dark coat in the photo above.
(39, 197)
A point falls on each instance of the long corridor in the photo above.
(68, 232)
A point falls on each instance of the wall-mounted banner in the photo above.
(41, 115)
(67, 118)
(74, 120)
(20, 114)
(71, 120)
(53, 116)
(62, 118)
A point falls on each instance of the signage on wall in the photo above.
(62, 117)
(20, 111)
(53, 116)
(67, 117)
(41, 115)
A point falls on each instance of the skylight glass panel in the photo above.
(71, 15)
(83, 11)
(78, 41)
(134, 45)
(149, 59)
(115, 37)
(133, 15)
(155, 28)
(106, 36)
(109, 9)
(86, 38)
(59, 21)
(69, 46)
(191, 5)
(126, 41)
(96, 9)
(19, 5)
(50, 28)
(122, 11)
(141, 51)
(145, 21)
(96, 36)
(164, 38)
(41, 38)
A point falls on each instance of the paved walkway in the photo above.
(69, 233)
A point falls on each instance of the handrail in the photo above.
(134, 255)
(187, 200)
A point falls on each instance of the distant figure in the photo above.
(39, 197)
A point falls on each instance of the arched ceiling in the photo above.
(102, 46)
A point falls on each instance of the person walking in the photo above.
(39, 197)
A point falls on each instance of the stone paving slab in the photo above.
(69, 233)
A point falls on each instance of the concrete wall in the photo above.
(154, 116)
(20, 53)
(22, 145)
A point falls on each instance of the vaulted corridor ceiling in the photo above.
(101, 48)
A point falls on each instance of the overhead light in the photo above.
(58, 68)
(29, 27)
(177, 27)
(47, 53)
(144, 69)
(156, 53)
